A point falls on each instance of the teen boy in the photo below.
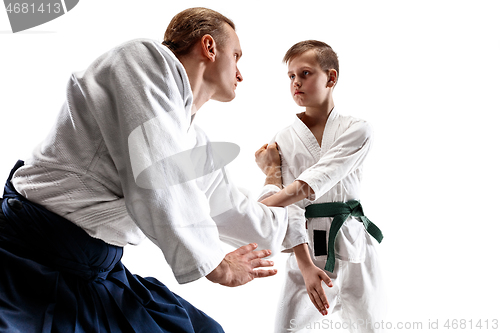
(322, 154)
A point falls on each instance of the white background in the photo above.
(425, 74)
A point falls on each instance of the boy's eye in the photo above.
(306, 73)
(292, 77)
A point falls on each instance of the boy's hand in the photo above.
(313, 277)
(268, 158)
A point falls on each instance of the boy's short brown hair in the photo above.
(187, 27)
(327, 58)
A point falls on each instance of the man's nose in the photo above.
(239, 77)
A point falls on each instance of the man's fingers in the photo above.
(260, 273)
(245, 249)
(258, 254)
(256, 263)
(240, 265)
(249, 252)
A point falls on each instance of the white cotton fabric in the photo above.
(333, 170)
(105, 165)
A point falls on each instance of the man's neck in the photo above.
(195, 70)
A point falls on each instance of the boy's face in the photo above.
(309, 84)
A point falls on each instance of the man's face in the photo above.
(225, 74)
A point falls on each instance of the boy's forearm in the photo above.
(302, 255)
(273, 176)
(294, 192)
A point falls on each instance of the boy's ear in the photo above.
(208, 47)
(332, 78)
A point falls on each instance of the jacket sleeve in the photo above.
(346, 154)
(242, 220)
(140, 97)
(295, 231)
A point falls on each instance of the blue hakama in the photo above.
(54, 277)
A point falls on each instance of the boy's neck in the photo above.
(317, 116)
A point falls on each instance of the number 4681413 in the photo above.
(25, 8)
(471, 324)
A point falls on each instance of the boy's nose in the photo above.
(239, 77)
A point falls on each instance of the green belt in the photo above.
(340, 212)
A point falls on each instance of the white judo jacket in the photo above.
(333, 170)
(105, 165)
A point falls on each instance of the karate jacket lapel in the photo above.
(310, 142)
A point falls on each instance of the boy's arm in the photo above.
(294, 192)
(347, 153)
(313, 276)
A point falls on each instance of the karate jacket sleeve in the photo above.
(240, 219)
(346, 154)
(295, 231)
(140, 98)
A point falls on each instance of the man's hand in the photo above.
(239, 267)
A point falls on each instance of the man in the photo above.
(125, 161)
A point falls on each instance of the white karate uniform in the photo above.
(333, 170)
(106, 165)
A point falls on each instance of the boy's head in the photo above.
(313, 71)
(326, 57)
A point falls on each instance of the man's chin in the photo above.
(224, 99)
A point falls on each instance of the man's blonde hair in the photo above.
(187, 28)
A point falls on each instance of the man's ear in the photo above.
(332, 78)
(208, 47)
